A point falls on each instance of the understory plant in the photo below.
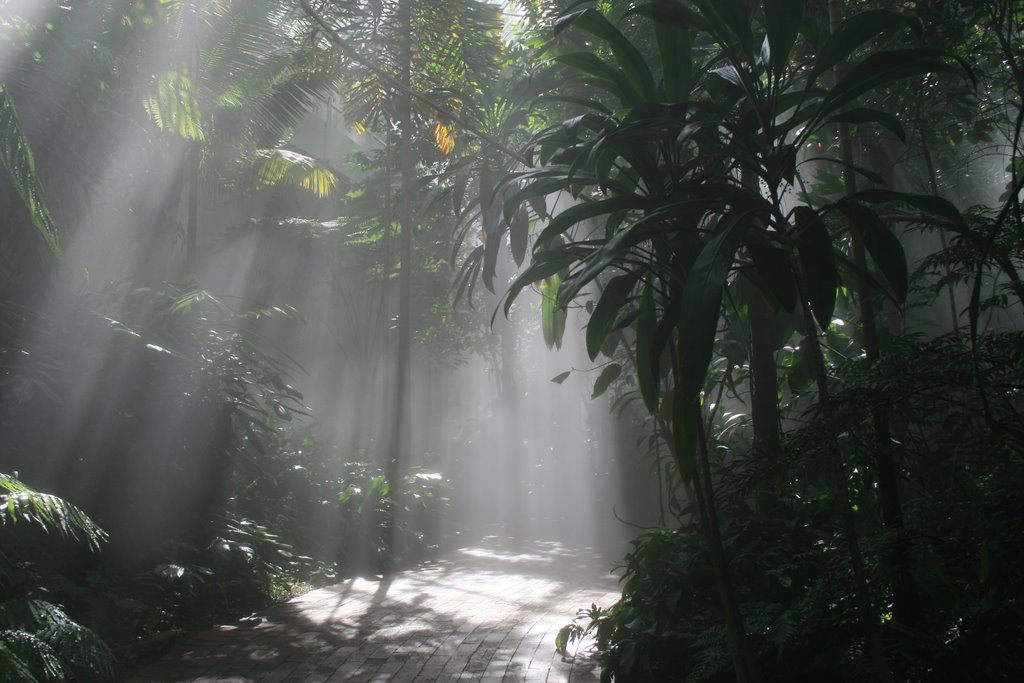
(694, 214)
(39, 640)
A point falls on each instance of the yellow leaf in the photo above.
(444, 136)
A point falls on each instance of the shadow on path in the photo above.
(484, 613)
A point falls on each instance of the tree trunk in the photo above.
(906, 604)
(736, 633)
(872, 629)
(402, 405)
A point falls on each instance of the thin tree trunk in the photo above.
(193, 157)
(736, 633)
(764, 378)
(872, 629)
(906, 604)
(402, 404)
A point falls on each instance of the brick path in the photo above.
(486, 613)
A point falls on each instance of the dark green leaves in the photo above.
(782, 20)
(702, 301)
(817, 264)
(852, 34)
(609, 374)
(634, 66)
(864, 115)
(883, 246)
(602, 321)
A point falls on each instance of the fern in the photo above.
(23, 504)
(17, 158)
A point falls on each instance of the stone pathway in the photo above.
(486, 613)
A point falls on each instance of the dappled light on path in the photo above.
(483, 613)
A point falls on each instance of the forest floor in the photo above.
(484, 613)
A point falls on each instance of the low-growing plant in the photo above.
(39, 640)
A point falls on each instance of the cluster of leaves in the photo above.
(39, 641)
(778, 518)
(687, 229)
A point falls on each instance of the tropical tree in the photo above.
(690, 163)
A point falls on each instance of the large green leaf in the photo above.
(552, 316)
(543, 266)
(646, 362)
(674, 48)
(782, 19)
(936, 206)
(604, 76)
(701, 301)
(883, 246)
(518, 235)
(864, 115)
(609, 374)
(773, 272)
(581, 212)
(817, 264)
(16, 156)
(21, 504)
(630, 59)
(729, 23)
(852, 33)
(617, 293)
(883, 68)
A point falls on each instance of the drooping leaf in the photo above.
(604, 75)
(854, 32)
(444, 137)
(883, 68)
(552, 316)
(609, 374)
(561, 377)
(646, 362)
(782, 19)
(518, 235)
(614, 297)
(885, 249)
(772, 272)
(701, 301)
(629, 58)
(937, 206)
(730, 25)
(19, 162)
(864, 115)
(581, 212)
(817, 264)
(674, 46)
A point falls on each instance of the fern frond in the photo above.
(34, 653)
(16, 157)
(14, 668)
(21, 503)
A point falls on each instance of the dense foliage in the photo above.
(794, 230)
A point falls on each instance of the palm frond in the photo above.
(173, 106)
(275, 167)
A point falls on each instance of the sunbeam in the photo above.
(427, 341)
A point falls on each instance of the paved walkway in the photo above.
(487, 613)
